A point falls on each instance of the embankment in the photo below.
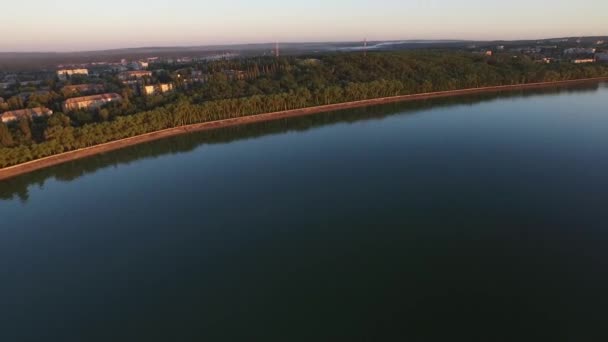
(17, 170)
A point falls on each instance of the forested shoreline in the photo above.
(279, 85)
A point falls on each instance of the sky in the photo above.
(77, 25)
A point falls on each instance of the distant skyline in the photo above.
(70, 25)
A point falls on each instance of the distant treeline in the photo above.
(283, 84)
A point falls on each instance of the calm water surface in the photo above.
(479, 218)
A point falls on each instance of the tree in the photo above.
(26, 129)
(6, 138)
(58, 119)
(104, 114)
(269, 85)
(15, 103)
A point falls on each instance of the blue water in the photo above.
(479, 219)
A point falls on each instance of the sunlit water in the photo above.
(478, 218)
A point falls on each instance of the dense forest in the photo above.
(268, 85)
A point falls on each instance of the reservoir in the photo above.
(483, 217)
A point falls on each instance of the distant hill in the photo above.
(49, 60)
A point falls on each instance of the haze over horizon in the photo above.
(68, 25)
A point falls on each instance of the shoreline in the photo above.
(27, 167)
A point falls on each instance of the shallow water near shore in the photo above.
(481, 216)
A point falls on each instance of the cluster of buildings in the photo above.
(135, 65)
(559, 50)
(197, 76)
(155, 89)
(77, 103)
(31, 89)
(579, 51)
(590, 57)
(95, 97)
(13, 80)
(134, 75)
(64, 74)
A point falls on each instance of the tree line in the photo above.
(283, 84)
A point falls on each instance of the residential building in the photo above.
(157, 89)
(579, 51)
(83, 89)
(90, 102)
(127, 75)
(30, 83)
(602, 57)
(16, 115)
(63, 74)
(139, 65)
(583, 60)
(235, 74)
(6, 85)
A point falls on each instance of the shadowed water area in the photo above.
(481, 218)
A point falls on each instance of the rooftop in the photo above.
(18, 114)
(100, 97)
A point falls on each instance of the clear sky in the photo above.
(68, 25)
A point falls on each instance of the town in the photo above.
(96, 89)
(84, 89)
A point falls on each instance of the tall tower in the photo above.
(365, 47)
(277, 52)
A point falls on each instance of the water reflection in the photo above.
(19, 186)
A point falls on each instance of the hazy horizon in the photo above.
(194, 45)
(68, 25)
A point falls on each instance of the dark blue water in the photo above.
(476, 219)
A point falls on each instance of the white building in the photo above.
(16, 115)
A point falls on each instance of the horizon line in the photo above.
(232, 44)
